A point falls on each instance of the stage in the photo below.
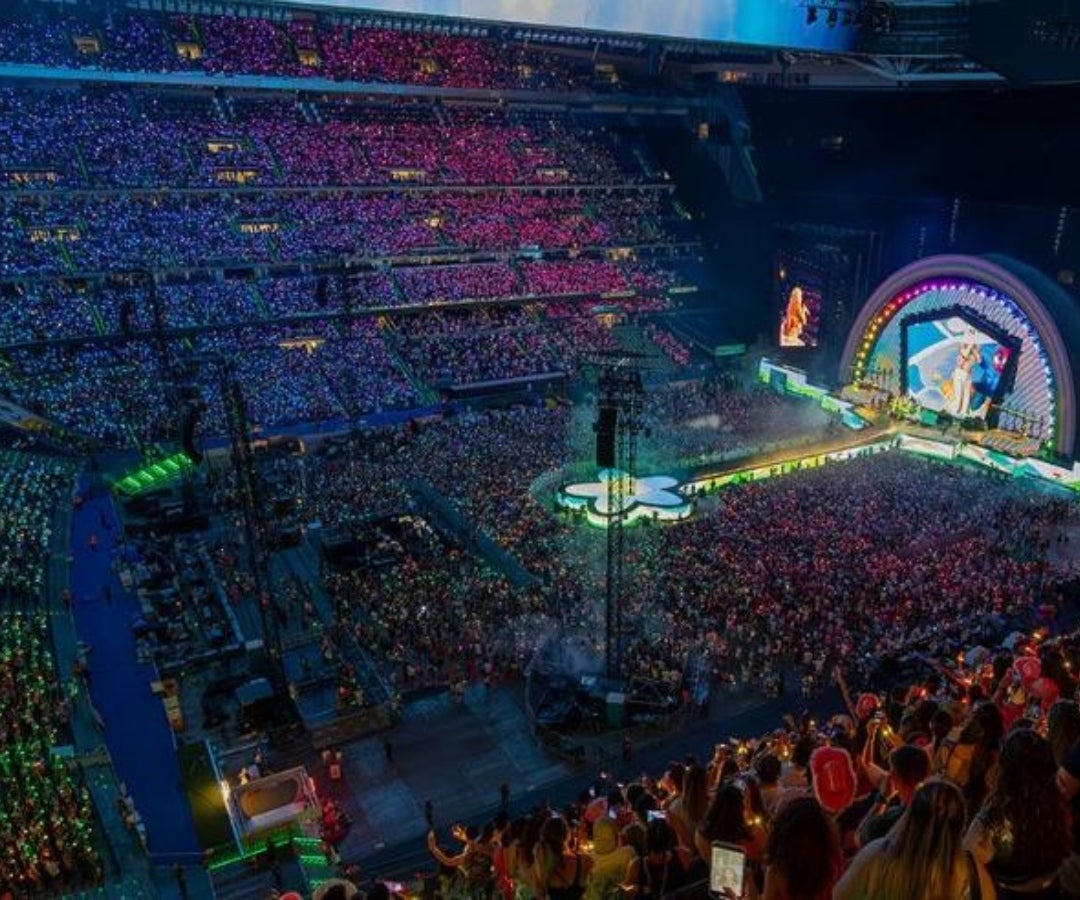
(862, 430)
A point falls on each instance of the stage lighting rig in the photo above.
(841, 12)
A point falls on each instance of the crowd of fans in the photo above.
(428, 618)
(84, 236)
(672, 347)
(927, 785)
(97, 138)
(46, 816)
(957, 785)
(150, 42)
(113, 394)
(30, 489)
(476, 346)
(423, 286)
(697, 421)
(47, 832)
(295, 367)
(290, 183)
(858, 563)
(771, 584)
(959, 781)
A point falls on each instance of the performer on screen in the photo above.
(967, 357)
(796, 317)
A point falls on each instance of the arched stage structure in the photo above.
(971, 358)
(974, 337)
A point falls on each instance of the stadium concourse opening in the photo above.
(470, 456)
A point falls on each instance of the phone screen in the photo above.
(727, 868)
(655, 814)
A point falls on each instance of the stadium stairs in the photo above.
(248, 879)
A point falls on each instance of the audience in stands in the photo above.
(807, 845)
(31, 489)
(151, 42)
(426, 219)
(47, 823)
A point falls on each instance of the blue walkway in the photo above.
(139, 737)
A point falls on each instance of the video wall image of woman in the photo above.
(954, 367)
(800, 323)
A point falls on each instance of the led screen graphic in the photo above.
(773, 23)
(801, 280)
(954, 367)
(1026, 397)
(800, 322)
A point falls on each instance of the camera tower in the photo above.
(618, 424)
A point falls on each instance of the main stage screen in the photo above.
(953, 367)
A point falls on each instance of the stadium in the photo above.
(460, 449)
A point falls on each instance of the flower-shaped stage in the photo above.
(653, 497)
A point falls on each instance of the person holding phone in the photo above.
(474, 865)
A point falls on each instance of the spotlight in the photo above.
(811, 15)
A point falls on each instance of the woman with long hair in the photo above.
(796, 317)
(559, 871)
(729, 821)
(686, 812)
(520, 844)
(922, 857)
(971, 760)
(726, 820)
(803, 853)
(1023, 831)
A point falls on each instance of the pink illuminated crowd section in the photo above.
(405, 208)
(303, 47)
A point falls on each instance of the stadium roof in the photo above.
(776, 23)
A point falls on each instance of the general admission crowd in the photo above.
(961, 783)
(961, 775)
(771, 584)
(929, 557)
(48, 836)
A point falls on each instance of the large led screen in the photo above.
(954, 367)
(800, 320)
